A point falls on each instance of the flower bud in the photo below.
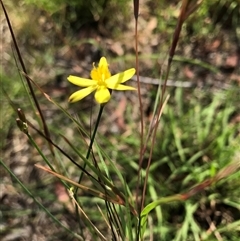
(22, 126)
(21, 115)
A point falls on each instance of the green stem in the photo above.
(95, 131)
(91, 142)
(87, 156)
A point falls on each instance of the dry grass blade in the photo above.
(85, 216)
(225, 172)
(91, 191)
(191, 7)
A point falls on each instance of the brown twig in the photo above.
(187, 8)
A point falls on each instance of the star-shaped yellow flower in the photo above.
(101, 81)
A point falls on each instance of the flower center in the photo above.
(100, 74)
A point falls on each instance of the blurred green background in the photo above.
(199, 129)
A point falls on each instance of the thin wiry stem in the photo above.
(136, 12)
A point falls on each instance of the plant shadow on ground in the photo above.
(198, 133)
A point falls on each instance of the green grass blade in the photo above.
(153, 205)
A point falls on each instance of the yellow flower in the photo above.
(101, 81)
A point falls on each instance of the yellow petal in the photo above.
(103, 62)
(80, 94)
(81, 81)
(124, 87)
(117, 79)
(94, 74)
(102, 95)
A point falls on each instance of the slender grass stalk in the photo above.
(141, 154)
